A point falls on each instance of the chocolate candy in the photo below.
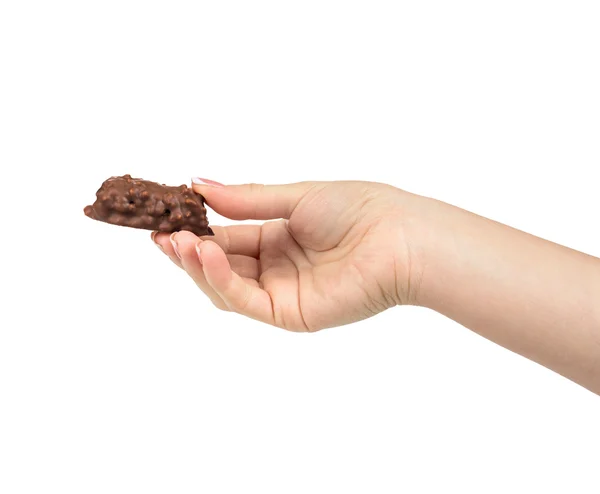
(137, 203)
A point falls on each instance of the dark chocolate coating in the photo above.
(137, 203)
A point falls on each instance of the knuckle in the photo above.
(237, 298)
(219, 304)
(245, 300)
(256, 189)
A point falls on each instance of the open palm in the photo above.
(338, 255)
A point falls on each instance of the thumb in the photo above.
(252, 201)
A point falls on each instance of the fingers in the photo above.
(239, 295)
(184, 245)
(243, 259)
(182, 249)
(253, 201)
(163, 243)
(246, 267)
(238, 239)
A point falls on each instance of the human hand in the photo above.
(345, 251)
(340, 254)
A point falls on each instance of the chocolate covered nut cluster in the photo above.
(137, 203)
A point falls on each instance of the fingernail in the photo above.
(206, 181)
(153, 236)
(174, 244)
(199, 253)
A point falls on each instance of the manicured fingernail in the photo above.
(153, 236)
(174, 244)
(206, 181)
(199, 252)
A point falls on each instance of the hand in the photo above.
(340, 254)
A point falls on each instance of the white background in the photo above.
(117, 375)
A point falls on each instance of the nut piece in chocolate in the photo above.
(138, 203)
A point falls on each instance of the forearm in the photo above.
(534, 297)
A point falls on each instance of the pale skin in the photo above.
(339, 252)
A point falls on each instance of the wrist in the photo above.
(422, 220)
